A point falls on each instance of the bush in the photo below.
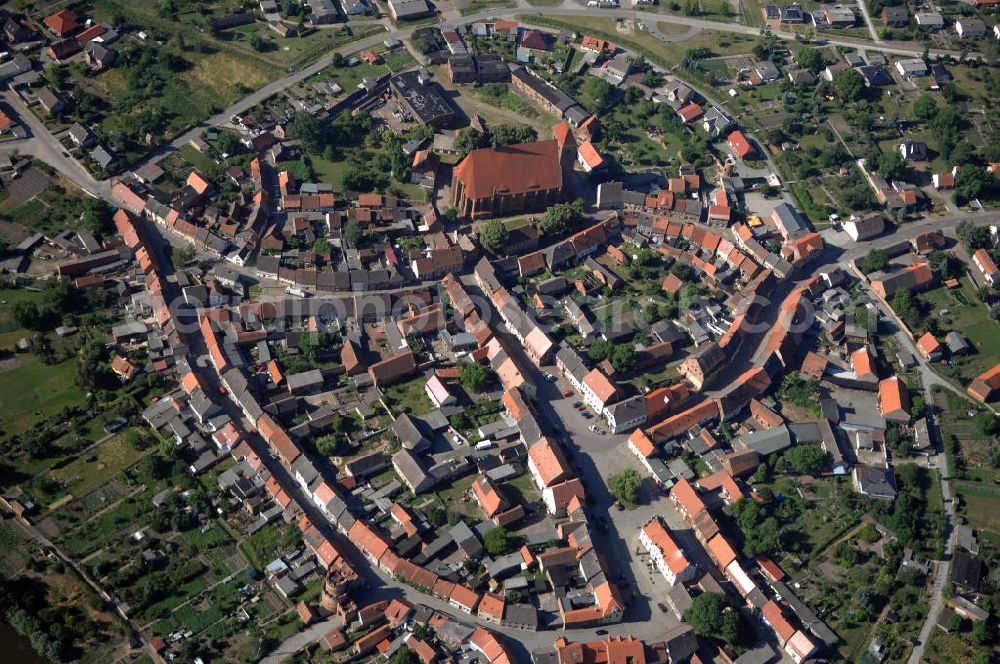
(498, 542)
(475, 377)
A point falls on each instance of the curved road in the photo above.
(51, 151)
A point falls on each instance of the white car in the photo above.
(549, 377)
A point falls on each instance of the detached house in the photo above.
(913, 150)
(970, 28)
(741, 145)
(50, 101)
(895, 17)
(986, 266)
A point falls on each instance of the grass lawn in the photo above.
(951, 648)
(349, 76)
(665, 54)
(333, 172)
(522, 489)
(981, 506)
(641, 148)
(967, 315)
(98, 466)
(410, 397)
(475, 6)
(55, 209)
(200, 161)
(216, 69)
(398, 60)
(813, 202)
(293, 52)
(509, 100)
(33, 392)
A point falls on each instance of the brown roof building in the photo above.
(391, 370)
(527, 177)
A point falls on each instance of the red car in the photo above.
(567, 393)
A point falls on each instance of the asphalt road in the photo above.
(596, 455)
(46, 147)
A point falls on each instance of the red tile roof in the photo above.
(690, 112)
(511, 170)
(62, 22)
(741, 146)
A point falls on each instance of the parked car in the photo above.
(567, 393)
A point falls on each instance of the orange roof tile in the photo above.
(861, 361)
(512, 169)
(773, 616)
(600, 385)
(721, 551)
(491, 606)
(813, 366)
(62, 22)
(690, 112)
(928, 344)
(487, 495)
(549, 462)
(741, 146)
(672, 554)
(591, 157)
(464, 596)
(893, 396)
(641, 441)
(685, 496)
(197, 182)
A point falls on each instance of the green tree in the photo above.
(436, 515)
(493, 237)
(308, 129)
(561, 217)
(259, 43)
(623, 358)
(987, 423)
(498, 542)
(925, 108)
(327, 445)
(509, 134)
(876, 260)
(468, 140)
(761, 532)
(25, 314)
(972, 236)
(982, 633)
(228, 143)
(891, 165)
(806, 459)
(711, 616)
(974, 181)
(599, 91)
(475, 377)
(625, 487)
(849, 85)
(599, 350)
(907, 307)
(811, 59)
(166, 9)
(404, 656)
(352, 233)
(97, 217)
